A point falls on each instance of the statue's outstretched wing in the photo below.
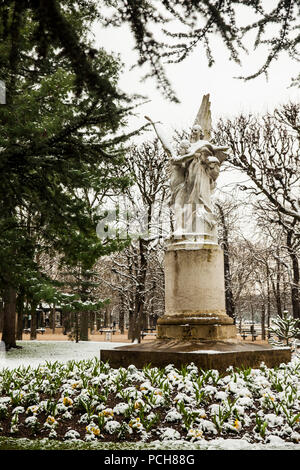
(204, 117)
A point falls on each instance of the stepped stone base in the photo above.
(205, 355)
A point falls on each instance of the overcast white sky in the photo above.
(193, 78)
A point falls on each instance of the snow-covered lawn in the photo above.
(34, 353)
(61, 393)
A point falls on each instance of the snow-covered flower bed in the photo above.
(87, 400)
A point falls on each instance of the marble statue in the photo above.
(193, 173)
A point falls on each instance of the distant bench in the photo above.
(246, 333)
(108, 333)
(107, 330)
(38, 330)
(148, 331)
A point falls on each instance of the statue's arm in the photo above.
(183, 158)
(165, 143)
(220, 149)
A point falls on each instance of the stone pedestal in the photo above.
(195, 294)
(195, 327)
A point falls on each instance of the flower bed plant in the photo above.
(89, 401)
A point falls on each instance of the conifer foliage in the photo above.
(187, 24)
(285, 329)
(57, 142)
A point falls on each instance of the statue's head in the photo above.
(184, 146)
(196, 133)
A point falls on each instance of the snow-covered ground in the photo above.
(34, 353)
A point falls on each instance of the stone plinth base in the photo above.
(208, 355)
(197, 328)
(194, 281)
(195, 295)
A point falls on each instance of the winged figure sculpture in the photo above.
(195, 167)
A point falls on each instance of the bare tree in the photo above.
(227, 218)
(138, 267)
(267, 150)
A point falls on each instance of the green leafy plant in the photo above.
(123, 431)
(146, 422)
(260, 426)
(225, 411)
(86, 405)
(188, 416)
(292, 418)
(51, 407)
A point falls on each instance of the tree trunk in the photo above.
(140, 293)
(229, 301)
(66, 323)
(98, 321)
(263, 322)
(107, 317)
(122, 315)
(146, 321)
(33, 321)
(295, 280)
(295, 290)
(84, 326)
(1, 316)
(20, 312)
(130, 323)
(268, 305)
(137, 323)
(76, 326)
(278, 295)
(252, 312)
(92, 320)
(53, 319)
(153, 320)
(9, 318)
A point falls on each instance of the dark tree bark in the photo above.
(122, 315)
(98, 320)
(20, 313)
(33, 321)
(268, 304)
(1, 316)
(277, 291)
(263, 321)
(66, 323)
(107, 317)
(130, 323)
(76, 326)
(153, 320)
(84, 326)
(229, 301)
(140, 292)
(53, 319)
(92, 317)
(295, 276)
(9, 320)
